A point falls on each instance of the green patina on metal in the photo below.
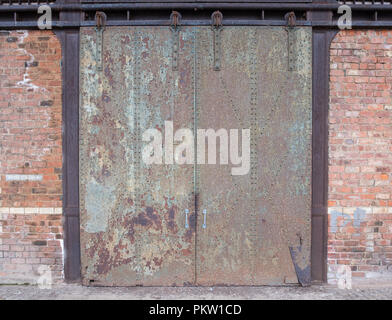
(133, 216)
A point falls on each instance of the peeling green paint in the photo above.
(99, 204)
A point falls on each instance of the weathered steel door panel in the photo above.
(132, 214)
(138, 221)
(223, 245)
(254, 219)
(284, 158)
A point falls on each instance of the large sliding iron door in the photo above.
(195, 224)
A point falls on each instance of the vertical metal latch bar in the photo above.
(291, 22)
(175, 18)
(216, 21)
(186, 219)
(100, 20)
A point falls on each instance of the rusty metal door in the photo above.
(198, 224)
(257, 228)
(132, 214)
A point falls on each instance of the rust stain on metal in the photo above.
(253, 221)
(133, 221)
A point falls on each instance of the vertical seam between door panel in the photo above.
(254, 164)
(137, 168)
(195, 119)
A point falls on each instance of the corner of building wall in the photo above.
(360, 157)
(30, 162)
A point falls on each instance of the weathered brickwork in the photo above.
(360, 154)
(31, 155)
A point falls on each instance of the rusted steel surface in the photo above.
(284, 153)
(132, 215)
(241, 228)
(70, 172)
(252, 220)
(321, 43)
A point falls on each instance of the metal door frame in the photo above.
(320, 98)
(70, 15)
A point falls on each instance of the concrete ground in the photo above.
(374, 291)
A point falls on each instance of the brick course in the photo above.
(360, 153)
(31, 155)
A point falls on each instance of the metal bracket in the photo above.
(175, 18)
(216, 22)
(291, 23)
(303, 272)
(100, 21)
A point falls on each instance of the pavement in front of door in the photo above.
(373, 291)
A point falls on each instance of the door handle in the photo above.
(205, 219)
(186, 219)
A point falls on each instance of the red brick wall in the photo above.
(31, 155)
(360, 154)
